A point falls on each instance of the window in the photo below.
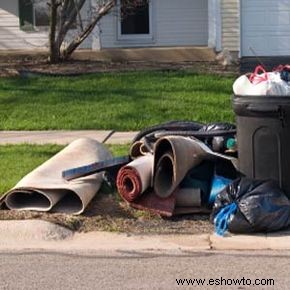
(135, 20)
(33, 14)
(135, 23)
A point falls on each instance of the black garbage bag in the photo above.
(249, 205)
(187, 129)
(218, 126)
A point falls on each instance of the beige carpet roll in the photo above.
(174, 156)
(44, 189)
(138, 149)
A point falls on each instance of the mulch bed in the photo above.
(21, 65)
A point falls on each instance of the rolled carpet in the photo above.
(134, 178)
(174, 156)
(138, 149)
(135, 150)
(45, 189)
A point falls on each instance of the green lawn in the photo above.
(18, 160)
(120, 101)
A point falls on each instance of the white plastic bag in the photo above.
(261, 83)
(243, 87)
(276, 86)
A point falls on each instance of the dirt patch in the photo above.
(25, 64)
(107, 213)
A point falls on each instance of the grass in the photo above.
(18, 160)
(120, 101)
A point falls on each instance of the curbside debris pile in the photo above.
(183, 167)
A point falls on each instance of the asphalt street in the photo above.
(138, 270)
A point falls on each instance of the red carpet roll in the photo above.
(134, 178)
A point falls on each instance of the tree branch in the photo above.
(88, 29)
(68, 21)
(79, 16)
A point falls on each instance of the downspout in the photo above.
(96, 33)
(240, 28)
(218, 25)
(214, 25)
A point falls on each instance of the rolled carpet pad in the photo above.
(135, 150)
(45, 189)
(134, 178)
(138, 149)
(174, 156)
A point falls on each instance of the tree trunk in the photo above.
(54, 51)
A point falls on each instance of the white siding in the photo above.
(11, 37)
(175, 23)
(230, 25)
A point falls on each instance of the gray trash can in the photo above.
(263, 137)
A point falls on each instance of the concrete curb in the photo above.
(37, 234)
(270, 241)
(31, 230)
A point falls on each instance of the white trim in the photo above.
(211, 23)
(214, 25)
(96, 33)
(218, 26)
(136, 38)
(241, 28)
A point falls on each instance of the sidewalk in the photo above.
(64, 137)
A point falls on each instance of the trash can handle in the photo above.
(264, 108)
(271, 111)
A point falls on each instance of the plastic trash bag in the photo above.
(243, 87)
(218, 126)
(276, 86)
(261, 83)
(218, 184)
(284, 71)
(248, 205)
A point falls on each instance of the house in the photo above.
(246, 29)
